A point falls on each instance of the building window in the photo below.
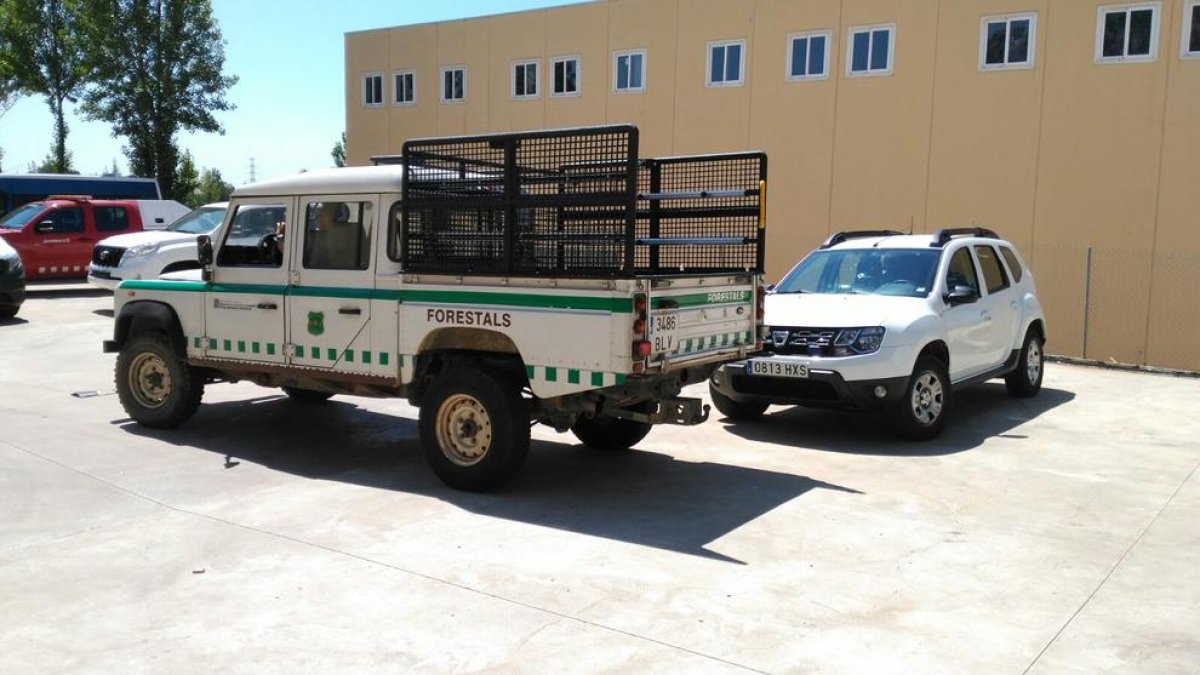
(373, 89)
(454, 84)
(807, 55)
(405, 87)
(629, 71)
(869, 50)
(1126, 33)
(1007, 42)
(525, 79)
(1191, 31)
(566, 76)
(725, 63)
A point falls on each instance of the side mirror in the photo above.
(204, 249)
(44, 227)
(771, 288)
(961, 295)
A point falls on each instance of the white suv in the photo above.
(888, 321)
(146, 255)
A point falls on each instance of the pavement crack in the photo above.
(1113, 569)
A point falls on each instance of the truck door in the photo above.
(329, 305)
(58, 238)
(244, 307)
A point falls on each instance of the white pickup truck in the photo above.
(496, 281)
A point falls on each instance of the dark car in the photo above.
(12, 281)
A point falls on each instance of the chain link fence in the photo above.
(1117, 306)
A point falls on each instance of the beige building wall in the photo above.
(1061, 157)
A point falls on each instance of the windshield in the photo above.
(868, 271)
(200, 221)
(20, 217)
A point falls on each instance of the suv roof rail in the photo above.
(944, 235)
(838, 238)
(70, 198)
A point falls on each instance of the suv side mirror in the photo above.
(961, 295)
(204, 249)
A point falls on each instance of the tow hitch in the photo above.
(685, 411)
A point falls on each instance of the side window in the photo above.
(962, 271)
(395, 230)
(1014, 264)
(111, 218)
(993, 271)
(251, 240)
(65, 221)
(335, 235)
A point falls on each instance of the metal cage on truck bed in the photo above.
(577, 203)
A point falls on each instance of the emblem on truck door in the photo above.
(316, 323)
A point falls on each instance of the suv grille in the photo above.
(803, 341)
(107, 256)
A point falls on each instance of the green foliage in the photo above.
(44, 54)
(159, 72)
(187, 182)
(113, 172)
(339, 152)
(52, 164)
(212, 188)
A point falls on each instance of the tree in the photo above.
(52, 164)
(44, 54)
(112, 172)
(212, 188)
(339, 152)
(159, 72)
(187, 181)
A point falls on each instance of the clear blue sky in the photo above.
(290, 98)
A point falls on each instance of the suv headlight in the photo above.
(851, 341)
(141, 250)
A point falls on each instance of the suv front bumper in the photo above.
(822, 388)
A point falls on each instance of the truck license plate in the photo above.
(777, 368)
(664, 332)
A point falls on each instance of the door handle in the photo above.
(987, 316)
(267, 305)
(350, 310)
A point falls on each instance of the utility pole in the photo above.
(252, 176)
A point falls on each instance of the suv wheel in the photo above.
(155, 386)
(921, 413)
(736, 410)
(1026, 380)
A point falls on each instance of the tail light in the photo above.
(641, 346)
(760, 310)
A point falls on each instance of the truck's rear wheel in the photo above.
(154, 385)
(474, 428)
(613, 433)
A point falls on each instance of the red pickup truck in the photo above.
(55, 237)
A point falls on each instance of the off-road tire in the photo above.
(474, 428)
(613, 433)
(1026, 380)
(306, 395)
(920, 414)
(738, 411)
(9, 312)
(156, 387)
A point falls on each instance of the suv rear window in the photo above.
(1014, 265)
(993, 272)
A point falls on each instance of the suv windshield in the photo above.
(20, 217)
(201, 221)
(870, 271)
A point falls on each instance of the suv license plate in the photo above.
(777, 368)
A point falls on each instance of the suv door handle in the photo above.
(267, 305)
(350, 310)
(987, 316)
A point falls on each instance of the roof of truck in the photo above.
(347, 180)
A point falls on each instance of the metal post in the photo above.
(1087, 297)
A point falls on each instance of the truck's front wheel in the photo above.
(154, 385)
(613, 433)
(474, 428)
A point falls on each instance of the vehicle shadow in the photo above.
(103, 312)
(638, 497)
(52, 292)
(13, 321)
(976, 414)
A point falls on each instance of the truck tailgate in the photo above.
(705, 318)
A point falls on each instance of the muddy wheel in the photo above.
(474, 428)
(737, 411)
(613, 433)
(921, 413)
(156, 388)
(306, 395)
(1026, 380)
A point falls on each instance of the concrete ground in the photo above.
(1052, 535)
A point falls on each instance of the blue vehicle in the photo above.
(17, 189)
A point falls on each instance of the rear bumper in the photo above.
(822, 388)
